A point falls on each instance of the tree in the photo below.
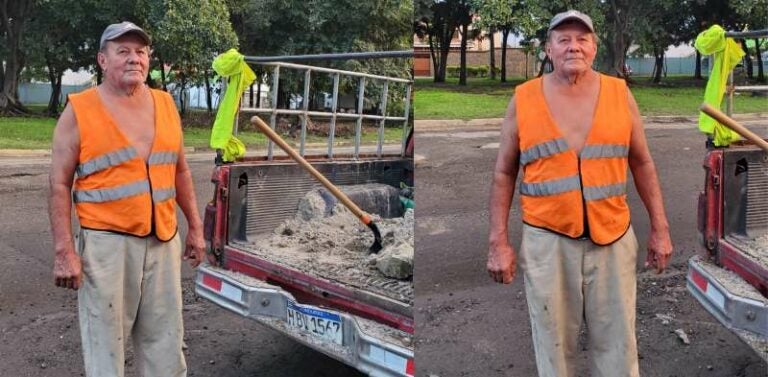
(754, 15)
(292, 27)
(188, 35)
(53, 45)
(464, 15)
(618, 15)
(13, 15)
(492, 56)
(510, 16)
(705, 14)
(497, 15)
(666, 23)
(438, 23)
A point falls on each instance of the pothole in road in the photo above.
(17, 175)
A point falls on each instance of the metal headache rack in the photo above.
(731, 88)
(277, 64)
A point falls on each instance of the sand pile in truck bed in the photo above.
(329, 241)
(758, 249)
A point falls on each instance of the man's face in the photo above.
(125, 60)
(572, 48)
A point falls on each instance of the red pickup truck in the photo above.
(366, 322)
(730, 277)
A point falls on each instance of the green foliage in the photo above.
(188, 35)
(282, 27)
(294, 27)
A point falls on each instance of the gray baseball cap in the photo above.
(115, 31)
(571, 15)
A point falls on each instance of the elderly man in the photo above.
(573, 132)
(124, 142)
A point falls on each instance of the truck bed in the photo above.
(263, 194)
(349, 273)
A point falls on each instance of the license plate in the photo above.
(320, 323)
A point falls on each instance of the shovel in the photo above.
(362, 215)
(732, 124)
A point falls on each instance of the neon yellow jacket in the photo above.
(230, 64)
(727, 54)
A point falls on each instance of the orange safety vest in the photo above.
(574, 195)
(116, 190)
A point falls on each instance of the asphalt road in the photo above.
(469, 326)
(39, 333)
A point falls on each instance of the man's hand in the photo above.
(195, 247)
(659, 250)
(67, 270)
(501, 263)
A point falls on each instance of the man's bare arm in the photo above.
(186, 198)
(647, 184)
(67, 268)
(501, 255)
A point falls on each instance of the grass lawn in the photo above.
(37, 132)
(26, 133)
(485, 98)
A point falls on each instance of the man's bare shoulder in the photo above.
(67, 120)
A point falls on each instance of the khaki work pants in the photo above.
(131, 286)
(568, 282)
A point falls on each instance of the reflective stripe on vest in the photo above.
(553, 187)
(543, 150)
(105, 161)
(602, 192)
(163, 158)
(163, 195)
(110, 194)
(604, 151)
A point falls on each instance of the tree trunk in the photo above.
(760, 75)
(445, 33)
(208, 93)
(526, 65)
(747, 59)
(492, 34)
(697, 73)
(543, 66)
(9, 97)
(182, 97)
(463, 55)
(433, 50)
(504, 37)
(445, 49)
(659, 66)
(162, 76)
(55, 78)
(16, 11)
(617, 19)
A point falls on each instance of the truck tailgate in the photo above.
(371, 347)
(734, 302)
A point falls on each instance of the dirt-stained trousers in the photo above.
(131, 286)
(570, 281)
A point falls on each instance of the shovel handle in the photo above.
(344, 199)
(732, 124)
